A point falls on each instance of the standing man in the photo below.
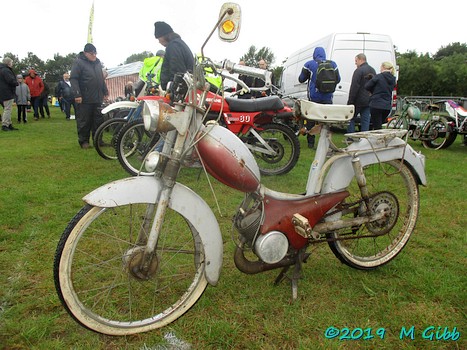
(8, 85)
(178, 56)
(65, 95)
(309, 72)
(36, 87)
(258, 83)
(358, 95)
(89, 89)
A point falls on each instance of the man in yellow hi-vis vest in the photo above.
(152, 66)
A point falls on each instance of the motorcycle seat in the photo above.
(267, 103)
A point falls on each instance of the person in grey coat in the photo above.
(22, 98)
(381, 87)
(8, 85)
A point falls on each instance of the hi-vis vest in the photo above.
(213, 79)
(151, 65)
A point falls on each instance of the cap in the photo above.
(90, 48)
(32, 71)
(19, 76)
(161, 29)
(160, 53)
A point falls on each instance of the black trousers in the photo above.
(88, 119)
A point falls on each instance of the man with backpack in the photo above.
(323, 77)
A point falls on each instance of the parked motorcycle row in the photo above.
(143, 249)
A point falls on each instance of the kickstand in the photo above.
(302, 256)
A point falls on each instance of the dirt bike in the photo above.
(262, 125)
(143, 249)
(457, 121)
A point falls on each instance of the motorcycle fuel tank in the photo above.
(227, 158)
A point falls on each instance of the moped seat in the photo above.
(324, 113)
(268, 103)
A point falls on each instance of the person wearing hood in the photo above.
(36, 87)
(178, 56)
(89, 90)
(308, 73)
(380, 88)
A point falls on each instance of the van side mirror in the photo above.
(230, 18)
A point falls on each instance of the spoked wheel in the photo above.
(285, 149)
(105, 137)
(97, 276)
(437, 134)
(132, 146)
(393, 190)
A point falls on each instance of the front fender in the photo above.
(145, 189)
(339, 172)
(119, 105)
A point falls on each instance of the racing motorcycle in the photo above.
(143, 249)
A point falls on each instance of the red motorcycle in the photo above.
(262, 125)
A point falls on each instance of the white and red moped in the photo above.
(143, 249)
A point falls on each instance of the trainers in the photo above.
(5, 128)
(85, 145)
(11, 127)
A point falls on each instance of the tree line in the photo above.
(441, 74)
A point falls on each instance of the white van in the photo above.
(342, 49)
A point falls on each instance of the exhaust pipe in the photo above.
(254, 267)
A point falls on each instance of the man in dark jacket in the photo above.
(89, 89)
(178, 56)
(8, 85)
(308, 72)
(358, 95)
(65, 95)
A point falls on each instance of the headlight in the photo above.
(156, 116)
(151, 161)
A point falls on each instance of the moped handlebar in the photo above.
(250, 71)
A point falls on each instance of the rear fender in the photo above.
(339, 172)
(146, 189)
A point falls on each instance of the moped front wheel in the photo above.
(105, 137)
(133, 144)
(393, 188)
(97, 277)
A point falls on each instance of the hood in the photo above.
(390, 79)
(319, 54)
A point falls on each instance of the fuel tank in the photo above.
(227, 158)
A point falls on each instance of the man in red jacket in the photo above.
(36, 86)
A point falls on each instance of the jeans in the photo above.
(364, 119)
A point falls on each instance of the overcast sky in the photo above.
(125, 27)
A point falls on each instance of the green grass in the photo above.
(44, 175)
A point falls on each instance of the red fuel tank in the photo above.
(228, 159)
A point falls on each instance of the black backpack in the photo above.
(326, 77)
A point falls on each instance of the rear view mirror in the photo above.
(230, 18)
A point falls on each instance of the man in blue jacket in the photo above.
(309, 73)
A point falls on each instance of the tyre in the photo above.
(132, 145)
(96, 260)
(395, 123)
(391, 187)
(105, 137)
(284, 144)
(437, 134)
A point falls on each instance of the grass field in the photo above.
(420, 295)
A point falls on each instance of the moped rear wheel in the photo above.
(95, 270)
(284, 143)
(437, 134)
(393, 188)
